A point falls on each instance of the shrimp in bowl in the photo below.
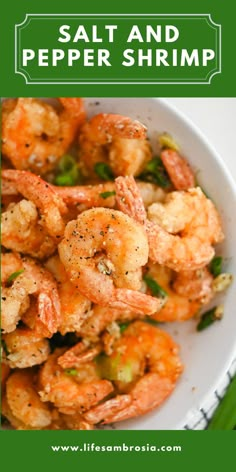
(108, 244)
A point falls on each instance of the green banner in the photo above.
(120, 49)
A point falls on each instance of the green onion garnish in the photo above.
(13, 276)
(103, 171)
(107, 194)
(68, 172)
(156, 289)
(224, 417)
(155, 172)
(123, 326)
(71, 371)
(167, 142)
(152, 322)
(209, 317)
(215, 266)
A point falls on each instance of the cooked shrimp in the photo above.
(101, 317)
(24, 401)
(24, 348)
(103, 252)
(72, 393)
(33, 280)
(144, 367)
(50, 206)
(75, 308)
(115, 139)
(179, 171)
(195, 290)
(192, 248)
(103, 195)
(22, 231)
(35, 135)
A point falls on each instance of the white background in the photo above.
(216, 118)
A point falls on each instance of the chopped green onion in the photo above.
(224, 417)
(123, 326)
(71, 372)
(13, 276)
(152, 322)
(68, 172)
(210, 317)
(103, 171)
(155, 172)
(107, 194)
(156, 289)
(215, 266)
(112, 369)
(4, 346)
(167, 142)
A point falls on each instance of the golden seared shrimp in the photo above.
(144, 367)
(103, 252)
(179, 171)
(22, 231)
(35, 135)
(115, 139)
(72, 391)
(75, 308)
(190, 249)
(103, 195)
(29, 278)
(195, 290)
(49, 204)
(24, 401)
(24, 348)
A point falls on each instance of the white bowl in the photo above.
(206, 355)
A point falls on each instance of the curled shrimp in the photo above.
(24, 348)
(75, 308)
(103, 195)
(115, 139)
(179, 171)
(35, 135)
(71, 393)
(24, 401)
(190, 249)
(22, 232)
(101, 318)
(49, 205)
(145, 367)
(186, 292)
(31, 279)
(103, 252)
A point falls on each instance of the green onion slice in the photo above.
(209, 317)
(155, 172)
(71, 372)
(215, 266)
(68, 172)
(156, 289)
(103, 171)
(14, 275)
(107, 194)
(4, 346)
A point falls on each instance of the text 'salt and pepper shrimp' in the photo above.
(145, 365)
(193, 247)
(103, 251)
(35, 135)
(116, 139)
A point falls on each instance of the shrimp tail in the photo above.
(49, 313)
(129, 199)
